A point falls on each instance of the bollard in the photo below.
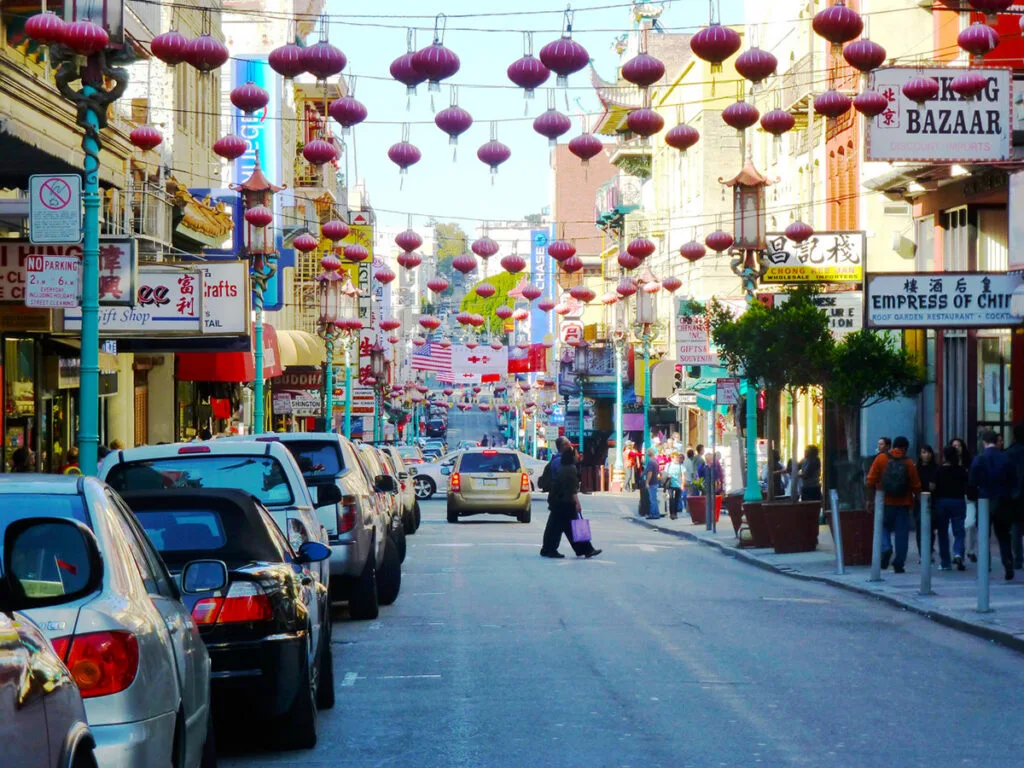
(926, 530)
(984, 556)
(876, 545)
(837, 531)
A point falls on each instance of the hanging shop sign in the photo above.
(118, 263)
(570, 330)
(168, 302)
(541, 322)
(727, 391)
(943, 130)
(940, 300)
(225, 297)
(845, 310)
(825, 257)
(693, 336)
(299, 379)
(297, 403)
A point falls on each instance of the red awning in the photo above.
(231, 367)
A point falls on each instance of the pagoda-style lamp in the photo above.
(349, 297)
(329, 287)
(378, 369)
(645, 330)
(580, 369)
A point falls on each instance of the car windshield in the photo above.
(262, 476)
(408, 451)
(316, 458)
(181, 535)
(489, 462)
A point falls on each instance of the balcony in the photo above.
(798, 84)
(616, 198)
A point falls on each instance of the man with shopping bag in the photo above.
(560, 480)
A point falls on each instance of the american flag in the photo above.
(432, 357)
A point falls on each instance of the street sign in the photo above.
(728, 391)
(55, 208)
(52, 281)
(682, 397)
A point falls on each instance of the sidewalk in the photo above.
(955, 593)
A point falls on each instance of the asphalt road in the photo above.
(470, 425)
(660, 652)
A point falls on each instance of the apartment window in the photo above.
(956, 240)
(925, 227)
(993, 226)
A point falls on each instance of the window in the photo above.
(179, 530)
(993, 226)
(956, 240)
(994, 400)
(316, 458)
(925, 227)
(20, 505)
(489, 462)
(262, 476)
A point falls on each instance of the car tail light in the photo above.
(101, 663)
(456, 481)
(245, 601)
(185, 449)
(490, 453)
(524, 483)
(347, 514)
(296, 533)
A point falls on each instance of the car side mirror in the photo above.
(446, 470)
(403, 475)
(386, 484)
(327, 494)
(49, 561)
(204, 576)
(312, 552)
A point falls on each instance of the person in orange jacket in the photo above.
(894, 474)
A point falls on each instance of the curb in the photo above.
(1005, 639)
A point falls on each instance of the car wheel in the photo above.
(325, 683)
(296, 729)
(453, 515)
(390, 580)
(424, 487)
(409, 522)
(362, 604)
(525, 515)
(84, 758)
(416, 515)
(209, 758)
(399, 539)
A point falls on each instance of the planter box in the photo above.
(858, 535)
(734, 506)
(757, 521)
(793, 526)
(698, 506)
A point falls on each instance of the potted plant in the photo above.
(786, 348)
(697, 503)
(867, 368)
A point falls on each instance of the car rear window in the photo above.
(409, 451)
(489, 462)
(225, 534)
(262, 476)
(316, 458)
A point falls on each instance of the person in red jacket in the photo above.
(901, 484)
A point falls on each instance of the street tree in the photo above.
(503, 282)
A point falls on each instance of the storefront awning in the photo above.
(300, 349)
(73, 348)
(231, 367)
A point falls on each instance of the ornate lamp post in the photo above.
(580, 367)
(749, 264)
(350, 296)
(329, 284)
(645, 329)
(257, 195)
(378, 369)
(619, 335)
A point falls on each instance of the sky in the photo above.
(437, 186)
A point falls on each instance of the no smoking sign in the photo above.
(55, 208)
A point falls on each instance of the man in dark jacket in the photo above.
(993, 477)
(553, 527)
(1015, 453)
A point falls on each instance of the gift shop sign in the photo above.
(824, 257)
(940, 300)
(117, 268)
(693, 337)
(944, 130)
(169, 302)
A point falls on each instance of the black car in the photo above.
(264, 657)
(436, 428)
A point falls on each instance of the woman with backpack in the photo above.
(896, 476)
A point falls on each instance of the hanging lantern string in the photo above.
(440, 24)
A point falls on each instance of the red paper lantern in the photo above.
(740, 115)
(629, 261)
(230, 147)
(798, 231)
(493, 154)
(968, 85)
(864, 55)
(650, 286)
(384, 275)
(692, 251)
(287, 61)
(513, 263)
(560, 250)
(777, 122)
(47, 28)
(405, 72)
(409, 260)
(546, 305)
(978, 40)
(430, 323)
(464, 263)
(671, 283)
(249, 97)
(641, 247)
(582, 293)
(643, 70)
(404, 155)
(356, 252)
(329, 262)
(435, 63)
(437, 284)
(408, 240)
(719, 241)
(572, 264)
(170, 47)
(682, 137)
(319, 151)
(485, 290)
(552, 124)
(585, 146)
(305, 243)
(832, 104)
(714, 44)
(394, 340)
(564, 57)
(920, 89)
(323, 60)
(418, 341)
(531, 292)
(870, 103)
(464, 318)
(390, 324)
(335, 229)
(520, 314)
(991, 7)
(644, 122)
(454, 121)
(484, 247)
(837, 24)
(529, 73)
(347, 112)
(610, 297)
(504, 312)
(756, 65)
(86, 38)
(259, 216)
(626, 287)
(145, 137)
(206, 54)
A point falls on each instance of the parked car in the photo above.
(411, 454)
(467, 444)
(90, 577)
(259, 465)
(436, 427)
(383, 492)
(376, 465)
(357, 526)
(428, 478)
(489, 480)
(410, 504)
(42, 718)
(266, 658)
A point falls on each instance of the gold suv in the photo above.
(488, 480)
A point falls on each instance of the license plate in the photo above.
(489, 483)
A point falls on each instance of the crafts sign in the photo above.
(944, 130)
(825, 257)
(940, 300)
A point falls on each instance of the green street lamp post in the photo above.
(330, 296)
(645, 329)
(378, 369)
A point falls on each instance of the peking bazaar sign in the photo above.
(944, 130)
(118, 266)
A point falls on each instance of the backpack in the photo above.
(544, 481)
(896, 478)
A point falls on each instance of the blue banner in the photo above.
(541, 322)
(261, 131)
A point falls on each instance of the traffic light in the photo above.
(693, 371)
(677, 383)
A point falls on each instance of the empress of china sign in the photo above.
(940, 300)
(947, 129)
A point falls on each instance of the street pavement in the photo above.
(470, 425)
(659, 652)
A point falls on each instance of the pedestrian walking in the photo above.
(926, 469)
(676, 474)
(1015, 453)
(992, 476)
(971, 520)
(562, 481)
(884, 444)
(650, 483)
(950, 507)
(775, 474)
(22, 460)
(895, 475)
(810, 475)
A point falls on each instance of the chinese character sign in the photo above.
(825, 257)
(941, 300)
